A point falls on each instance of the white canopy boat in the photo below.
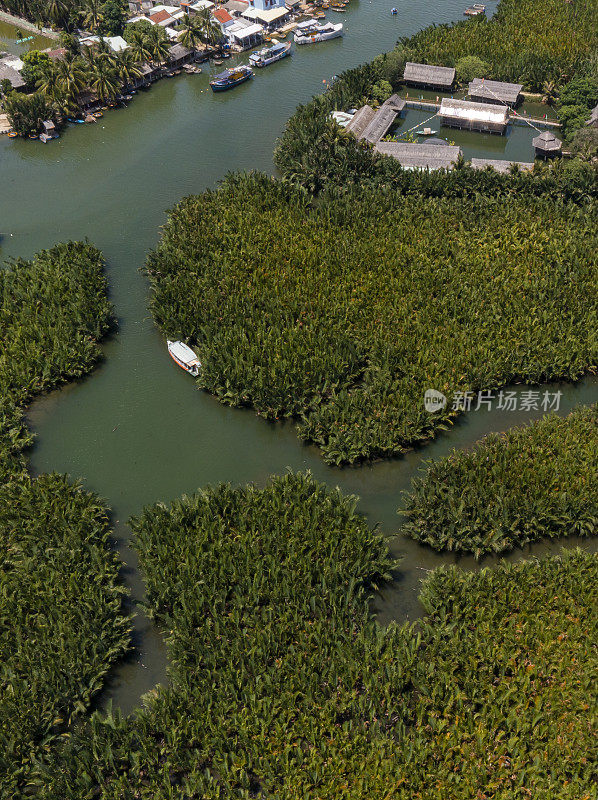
(184, 357)
(318, 33)
(270, 54)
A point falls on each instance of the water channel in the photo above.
(137, 431)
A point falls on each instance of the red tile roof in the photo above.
(222, 15)
(160, 16)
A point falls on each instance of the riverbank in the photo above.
(23, 24)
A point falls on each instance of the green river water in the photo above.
(137, 431)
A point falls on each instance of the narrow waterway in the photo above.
(137, 431)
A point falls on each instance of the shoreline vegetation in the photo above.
(514, 488)
(283, 685)
(319, 311)
(62, 623)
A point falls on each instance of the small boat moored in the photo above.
(184, 357)
(231, 77)
(315, 33)
(270, 54)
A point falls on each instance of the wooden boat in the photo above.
(184, 356)
(12, 134)
(426, 132)
(217, 61)
(98, 114)
(231, 77)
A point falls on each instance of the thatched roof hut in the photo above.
(429, 75)
(383, 119)
(547, 144)
(485, 91)
(420, 156)
(9, 73)
(361, 119)
(500, 165)
(473, 116)
(179, 54)
(593, 120)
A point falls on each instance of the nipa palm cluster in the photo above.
(537, 481)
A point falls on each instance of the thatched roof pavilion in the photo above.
(485, 91)
(473, 116)
(547, 144)
(420, 156)
(429, 75)
(361, 119)
(383, 119)
(500, 165)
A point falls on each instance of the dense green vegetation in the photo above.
(103, 16)
(345, 313)
(535, 481)
(526, 41)
(283, 686)
(61, 625)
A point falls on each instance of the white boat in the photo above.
(184, 357)
(270, 54)
(318, 33)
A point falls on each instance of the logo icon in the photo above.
(434, 401)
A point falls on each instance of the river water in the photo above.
(137, 431)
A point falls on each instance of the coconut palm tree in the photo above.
(548, 92)
(48, 84)
(126, 67)
(139, 46)
(104, 81)
(71, 77)
(191, 34)
(210, 31)
(158, 45)
(91, 14)
(58, 11)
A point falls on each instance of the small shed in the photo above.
(49, 128)
(428, 75)
(179, 55)
(495, 92)
(547, 145)
(474, 116)
(500, 165)
(382, 120)
(10, 73)
(361, 119)
(420, 156)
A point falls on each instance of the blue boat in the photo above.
(231, 77)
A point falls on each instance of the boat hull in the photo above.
(218, 87)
